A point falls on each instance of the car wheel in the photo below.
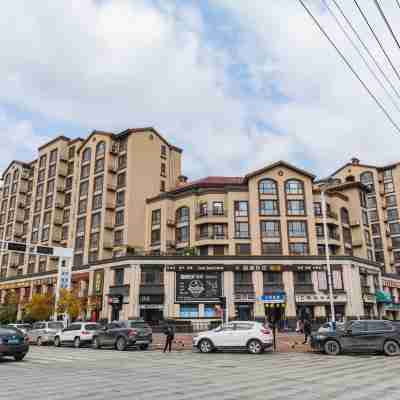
(19, 357)
(57, 342)
(205, 346)
(332, 348)
(77, 343)
(391, 348)
(144, 346)
(121, 344)
(96, 343)
(39, 341)
(254, 347)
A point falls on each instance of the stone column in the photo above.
(258, 282)
(106, 309)
(134, 282)
(288, 282)
(229, 293)
(352, 286)
(171, 310)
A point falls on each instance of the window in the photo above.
(71, 152)
(371, 202)
(320, 230)
(347, 236)
(119, 277)
(272, 278)
(243, 249)
(189, 311)
(379, 256)
(218, 208)
(64, 233)
(387, 174)
(68, 183)
(396, 242)
(267, 186)
(376, 229)
(121, 180)
(99, 166)
(155, 217)
(203, 231)
(68, 199)
(122, 161)
(373, 215)
(50, 187)
(53, 156)
(297, 229)
(78, 260)
(182, 234)
(123, 145)
(242, 278)
(270, 229)
(52, 171)
(163, 150)
(396, 256)
(378, 244)
(296, 207)
(392, 214)
(269, 207)
(271, 248)
(40, 190)
(119, 218)
(42, 162)
(120, 198)
(242, 230)
(163, 170)
(86, 155)
(365, 218)
(219, 232)
(70, 170)
(85, 170)
(367, 237)
(294, 186)
(47, 218)
(45, 234)
(94, 240)
(389, 187)
(96, 221)
(298, 249)
(367, 179)
(66, 215)
(97, 201)
(79, 242)
(49, 202)
(391, 200)
(182, 215)
(100, 149)
(155, 237)
(98, 183)
(83, 189)
(82, 206)
(394, 228)
(162, 186)
(317, 209)
(241, 209)
(337, 279)
(80, 225)
(322, 280)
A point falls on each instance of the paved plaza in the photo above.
(69, 374)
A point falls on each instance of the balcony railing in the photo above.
(212, 236)
(304, 288)
(211, 213)
(273, 287)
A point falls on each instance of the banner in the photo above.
(198, 287)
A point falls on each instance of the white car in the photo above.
(44, 332)
(24, 328)
(77, 334)
(247, 335)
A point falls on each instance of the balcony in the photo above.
(56, 235)
(110, 203)
(23, 187)
(112, 168)
(304, 287)
(273, 287)
(211, 213)
(211, 236)
(58, 218)
(111, 187)
(63, 170)
(171, 223)
(20, 216)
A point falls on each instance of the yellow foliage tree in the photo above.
(40, 308)
(69, 303)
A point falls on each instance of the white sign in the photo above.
(320, 298)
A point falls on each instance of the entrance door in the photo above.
(151, 314)
(244, 312)
(115, 313)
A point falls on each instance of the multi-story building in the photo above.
(87, 194)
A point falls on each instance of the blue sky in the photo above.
(236, 84)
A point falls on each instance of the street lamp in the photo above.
(327, 255)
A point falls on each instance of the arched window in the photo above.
(344, 216)
(267, 186)
(100, 149)
(8, 177)
(87, 154)
(294, 186)
(367, 179)
(182, 215)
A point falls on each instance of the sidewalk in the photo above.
(285, 341)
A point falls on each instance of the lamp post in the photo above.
(327, 255)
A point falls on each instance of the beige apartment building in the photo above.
(149, 243)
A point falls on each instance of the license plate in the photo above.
(13, 341)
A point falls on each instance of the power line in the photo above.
(378, 6)
(397, 127)
(377, 39)
(370, 69)
(366, 47)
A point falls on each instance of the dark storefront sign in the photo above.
(198, 286)
(115, 301)
(251, 268)
(151, 299)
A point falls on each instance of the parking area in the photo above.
(67, 373)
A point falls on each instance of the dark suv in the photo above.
(124, 334)
(360, 336)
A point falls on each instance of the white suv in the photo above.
(77, 334)
(250, 335)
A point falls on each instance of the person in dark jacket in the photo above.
(307, 330)
(169, 333)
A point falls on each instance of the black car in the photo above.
(360, 336)
(123, 334)
(13, 343)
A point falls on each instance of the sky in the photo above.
(236, 84)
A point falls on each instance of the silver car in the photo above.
(44, 332)
(24, 328)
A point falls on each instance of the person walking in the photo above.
(169, 333)
(307, 330)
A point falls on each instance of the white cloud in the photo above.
(118, 64)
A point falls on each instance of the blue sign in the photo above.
(273, 298)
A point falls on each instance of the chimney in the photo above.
(182, 180)
(355, 161)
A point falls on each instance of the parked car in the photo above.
(13, 343)
(24, 328)
(77, 334)
(252, 336)
(328, 326)
(44, 332)
(124, 334)
(360, 336)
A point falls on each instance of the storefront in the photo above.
(151, 307)
(96, 299)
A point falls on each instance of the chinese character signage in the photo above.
(273, 298)
(198, 286)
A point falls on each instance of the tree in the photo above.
(40, 308)
(9, 310)
(69, 303)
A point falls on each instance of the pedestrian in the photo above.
(307, 330)
(169, 333)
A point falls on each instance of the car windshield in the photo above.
(92, 327)
(56, 325)
(135, 324)
(5, 331)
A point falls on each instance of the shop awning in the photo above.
(383, 297)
